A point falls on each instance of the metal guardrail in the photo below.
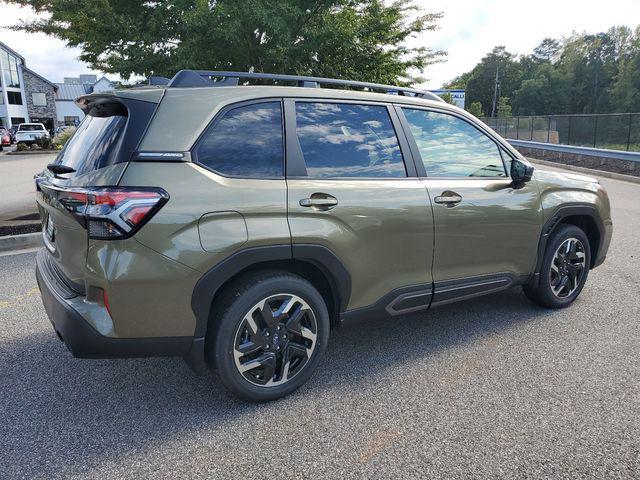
(588, 151)
(611, 131)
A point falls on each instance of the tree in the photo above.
(547, 50)
(479, 82)
(362, 39)
(475, 108)
(504, 109)
(448, 98)
(582, 73)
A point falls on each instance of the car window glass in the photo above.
(451, 147)
(246, 142)
(348, 140)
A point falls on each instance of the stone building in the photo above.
(40, 98)
(72, 88)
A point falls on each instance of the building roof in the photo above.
(55, 87)
(73, 88)
(11, 51)
(71, 91)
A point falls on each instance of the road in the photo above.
(491, 388)
(16, 183)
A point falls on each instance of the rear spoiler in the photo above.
(101, 105)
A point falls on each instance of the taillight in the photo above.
(113, 212)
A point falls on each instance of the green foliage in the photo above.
(584, 73)
(475, 108)
(61, 138)
(361, 39)
(43, 143)
(21, 147)
(504, 109)
(447, 97)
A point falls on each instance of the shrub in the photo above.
(61, 138)
(43, 143)
(22, 147)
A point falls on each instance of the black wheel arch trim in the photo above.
(320, 256)
(556, 218)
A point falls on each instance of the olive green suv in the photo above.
(234, 224)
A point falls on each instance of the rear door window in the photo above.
(348, 140)
(94, 145)
(246, 141)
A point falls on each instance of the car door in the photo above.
(352, 188)
(486, 229)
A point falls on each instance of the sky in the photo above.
(468, 30)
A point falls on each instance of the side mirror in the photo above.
(521, 172)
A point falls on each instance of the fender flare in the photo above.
(556, 218)
(320, 256)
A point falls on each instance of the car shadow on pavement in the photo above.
(61, 415)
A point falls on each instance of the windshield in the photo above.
(30, 128)
(94, 144)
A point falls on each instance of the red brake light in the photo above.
(113, 212)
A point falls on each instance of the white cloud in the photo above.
(45, 55)
(469, 29)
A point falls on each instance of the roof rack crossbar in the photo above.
(205, 78)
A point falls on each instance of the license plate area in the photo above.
(49, 233)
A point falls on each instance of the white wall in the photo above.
(67, 108)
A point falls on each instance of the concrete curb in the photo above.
(32, 152)
(589, 171)
(20, 242)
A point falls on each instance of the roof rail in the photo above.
(206, 78)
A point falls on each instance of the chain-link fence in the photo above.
(616, 131)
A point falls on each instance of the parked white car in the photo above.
(30, 132)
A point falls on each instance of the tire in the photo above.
(282, 346)
(558, 264)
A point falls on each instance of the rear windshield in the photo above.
(30, 128)
(94, 145)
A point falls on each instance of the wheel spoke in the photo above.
(561, 285)
(266, 315)
(297, 351)
(266, 361)
(293, 322)
(569, 246)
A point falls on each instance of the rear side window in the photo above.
(30, 128)
(245, 142)
(452, 147)
(94, 145)
(348, 140)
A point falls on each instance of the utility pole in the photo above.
(496, 87)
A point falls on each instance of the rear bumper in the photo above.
(82, 339)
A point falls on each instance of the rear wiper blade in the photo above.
(60, 169)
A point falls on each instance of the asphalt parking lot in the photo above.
(491, 388)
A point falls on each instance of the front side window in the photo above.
(246, 142)
(452, 147)
(348, 140)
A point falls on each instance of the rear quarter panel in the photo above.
(251, 212)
